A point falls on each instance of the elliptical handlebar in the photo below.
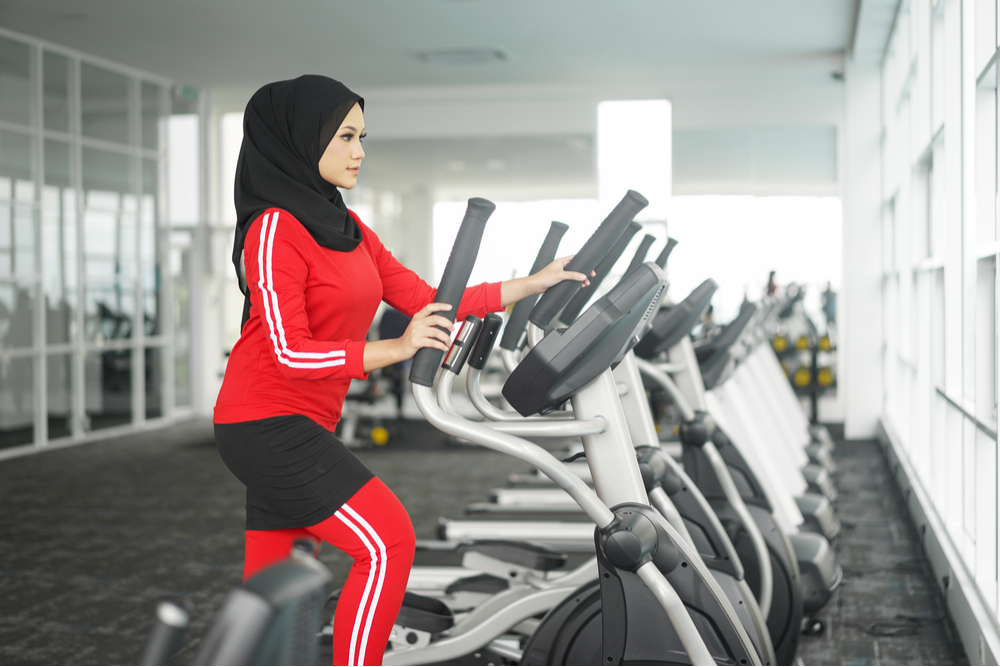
(603, 268)
(587, 258)
(661, 260)
(518, 319)
(453, 282)
(640, 253)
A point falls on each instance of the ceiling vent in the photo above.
(462, 56)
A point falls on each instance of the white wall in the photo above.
(861, 305)
(937, 283)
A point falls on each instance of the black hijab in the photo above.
(286, 127)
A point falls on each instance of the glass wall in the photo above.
(940, 250)
(84, 343)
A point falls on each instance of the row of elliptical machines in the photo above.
(697, 559)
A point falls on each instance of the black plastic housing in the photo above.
(671, 325)
(568, 359)
(584, 261)
(640, 253)
(484, 344)
(518, 319)
(661, 259)
(601, 271)
(462, 345)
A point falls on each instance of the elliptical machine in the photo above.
(659, 604)
(728, 480)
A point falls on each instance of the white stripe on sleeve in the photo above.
(272, 311)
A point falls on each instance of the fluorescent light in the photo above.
(462, 56)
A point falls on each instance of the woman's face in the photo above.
(341, 160)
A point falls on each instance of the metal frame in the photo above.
(616, 478)
(77, 347)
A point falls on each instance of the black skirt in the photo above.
(296, 472)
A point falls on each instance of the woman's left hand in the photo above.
(556, 272)
(512, 291)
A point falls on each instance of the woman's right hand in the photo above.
(424, 331)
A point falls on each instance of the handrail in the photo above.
(971, 417)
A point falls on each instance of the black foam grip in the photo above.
(518, 319)
(640, 253)
(587, 258)
(484, 344)
(603, 268)
(661, 261)
(453, 282)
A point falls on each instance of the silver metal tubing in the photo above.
(518, 498)
(446, 379)
(494, 413)
(709, 512)
(566, 534)
(610, 455)
(635, 404)
(668, 367)
(584, 572)
(517, 447)
(436, 577)
(641, 427)
(498, 621)
(760, 623)
(728, 486)
(661, 501)
(678, 615)
(510, 360)
(555, 429)
(756, 538)
(535, 334)
(655, 373)
(690, 381)
(487, 409)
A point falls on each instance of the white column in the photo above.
(861, 310)
(635, 152)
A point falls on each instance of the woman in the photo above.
(314, 276)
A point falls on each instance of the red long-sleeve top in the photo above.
(310, 310)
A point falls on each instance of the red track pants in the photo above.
(374, 529)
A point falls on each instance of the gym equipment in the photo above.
(820, 573)
(634, 543)
(672, 493)
(271, 619)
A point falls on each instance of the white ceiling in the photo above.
(674, 45)
(733, 65)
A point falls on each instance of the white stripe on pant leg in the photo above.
(381, 577)
(368, 585)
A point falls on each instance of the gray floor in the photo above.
(888, 610)
(92, 536)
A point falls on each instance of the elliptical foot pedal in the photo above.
(418, 612)
(819, 481)
(820, 572)
(524, 554)
(480, 583)
(818, 515)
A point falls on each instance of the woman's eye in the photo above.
(347, 137)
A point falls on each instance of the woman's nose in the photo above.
(359, 153)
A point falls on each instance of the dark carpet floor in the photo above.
(92, 536)
(888, 610)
